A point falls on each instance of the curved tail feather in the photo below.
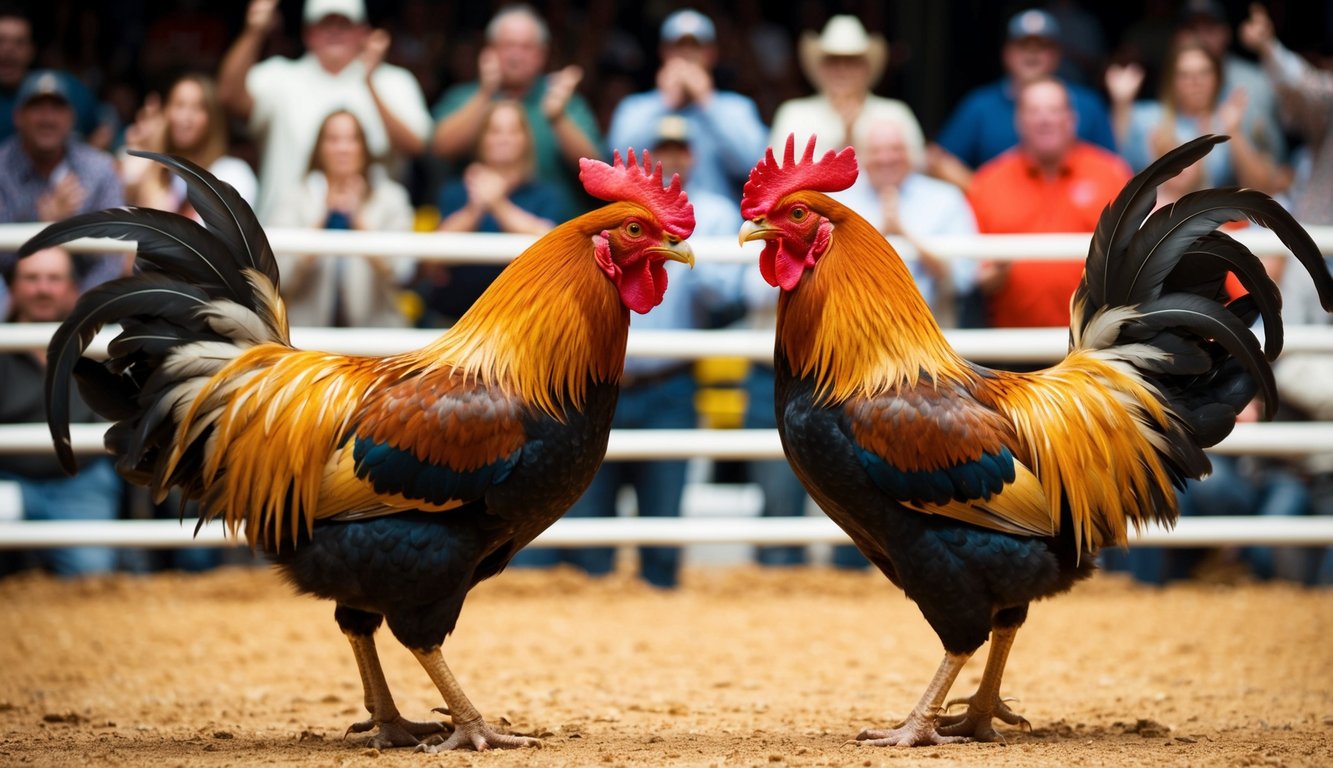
(200, 295)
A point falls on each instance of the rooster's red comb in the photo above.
(770, 182)
(631, 183)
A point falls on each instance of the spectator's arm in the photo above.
(942, 164)
(515, 220)
(404, 138)
(242, 55)
(571, 121)
(456, 132)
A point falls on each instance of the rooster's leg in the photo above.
(986, 704)
(392, 729)
(919, 727)
(469, 729)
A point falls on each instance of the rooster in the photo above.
(390, 485)
(977, 491)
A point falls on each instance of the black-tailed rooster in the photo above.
(978, 491)
(390, 485)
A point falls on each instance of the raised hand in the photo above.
(1123, 82)
(560, 87)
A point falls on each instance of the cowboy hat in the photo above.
(843, 35)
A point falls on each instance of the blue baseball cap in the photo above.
(1034, 23)
(43, 83)
(688, 23)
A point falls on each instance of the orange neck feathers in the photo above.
(550, 323)
(856, 322)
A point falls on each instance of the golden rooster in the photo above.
(978, 491)
(390, 485)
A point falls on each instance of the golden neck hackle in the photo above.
(550, 324)
(857, 322)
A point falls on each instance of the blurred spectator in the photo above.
(905, 204)
(344, 189)
(844, 63)
(44, 287)
(1307, 100)
(1207, 22)
(17, 52)
(1082, 43)
(659, 393)
(191, 124)
(1190, 106)
(46, 174)
(1051, 182)
(510, 66)
(1306, 96)
(982, 126)
(286, 100)
(497, 193)
(727, 136)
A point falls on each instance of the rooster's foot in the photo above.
(975, 723)
(397, 732)
(914, 732)
(479, 736)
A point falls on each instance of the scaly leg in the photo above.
(919, 727)
(392, 729)
(986, 704)
(470, 730)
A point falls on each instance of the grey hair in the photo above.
(521, 9)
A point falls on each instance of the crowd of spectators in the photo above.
(325, 115)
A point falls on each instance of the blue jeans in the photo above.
(658, 485)
(93, 494)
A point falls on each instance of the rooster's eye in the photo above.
(797, 214)
(634, 229)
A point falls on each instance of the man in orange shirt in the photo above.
(1050, 182)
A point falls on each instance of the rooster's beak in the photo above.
(756, 229)
(675, 249)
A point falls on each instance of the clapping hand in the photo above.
(560, 87)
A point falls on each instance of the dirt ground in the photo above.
(738, 667)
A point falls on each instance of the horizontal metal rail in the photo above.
(1267, 439)
(618, 531)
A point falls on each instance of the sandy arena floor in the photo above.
(739, 667)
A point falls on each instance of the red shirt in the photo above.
(1011, 195)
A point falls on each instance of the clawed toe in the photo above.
(912, 733)
(479, 736)
(397, 733)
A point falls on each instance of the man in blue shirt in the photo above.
(982, 126)
(727, 136)
(46, 174)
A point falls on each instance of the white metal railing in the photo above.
(473, 248)
(682, 531)
(1280, 439)
(1010, 345)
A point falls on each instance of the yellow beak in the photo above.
(676, 249)
(755, 229)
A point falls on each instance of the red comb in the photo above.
(631, 183)
(770, 182)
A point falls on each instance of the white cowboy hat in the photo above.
(843, 35)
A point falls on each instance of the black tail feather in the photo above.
(168, 243)
(147, 295)
(225, 214)
(1120, 222)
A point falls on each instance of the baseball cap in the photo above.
(1208, 9)
(43, 82)
(672, 129)
(1034, 23)
(316, 10)
(688, 23)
